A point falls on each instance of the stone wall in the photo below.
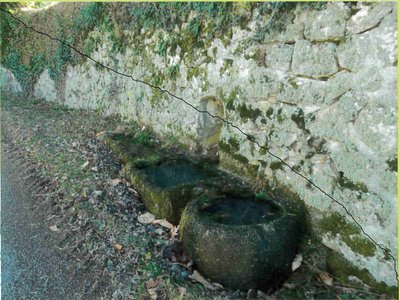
(320, 93)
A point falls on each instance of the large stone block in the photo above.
(377, 47)
(45, 87)
(329, 24)
(278, 56)
(368, 16)
(8, 82)
(314, 60)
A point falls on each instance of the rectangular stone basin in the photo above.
(167, 187)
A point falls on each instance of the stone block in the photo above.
(45, 87)
(278, 56)
(368, 16)
(314, 60)
(329, 24)
(377, 47)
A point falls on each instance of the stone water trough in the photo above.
(165, 182)
(242, 242)
(233, 237)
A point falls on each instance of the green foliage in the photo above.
(90, 15)
(144, 138)
(173, 72)
(262, 196)
(166, 16)
(195, 27)
(20, 70)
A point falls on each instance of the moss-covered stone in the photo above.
(345, 182)
(261, 251)
(298, 118)
(349, 233)
(342, 269)
(392, 163)
(248, 113)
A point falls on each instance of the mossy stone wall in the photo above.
(316, 85)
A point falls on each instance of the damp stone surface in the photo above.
(242, 243)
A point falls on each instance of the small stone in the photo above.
(146, 218)
(251, 294)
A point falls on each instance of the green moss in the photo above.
(173, 72)
(224, 147)
(281, 118)
(232, 97)
(343, 268)
(240, 158)
(392, 163)
(196, 72)
(298, 118)
(277, 165)
(350, 234)
(270, 112)
(227, 64)
(248, 113)
(345, 182)
(234, 143)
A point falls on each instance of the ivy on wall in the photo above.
(26, 54)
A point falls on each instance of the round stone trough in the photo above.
(242, 242)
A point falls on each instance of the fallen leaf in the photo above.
(146, 218)
(164, 223)
(325, 278)
(196, 276)
(151, 283)
(218, 285)
(297, 262)
(114, 182)
(85, 165)
(289, 286)
(118, 246)
(174, 231)
(54, 228)
(100, 133)
(182, 292)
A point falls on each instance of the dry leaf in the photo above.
(54, 228)
(151, 284)
(196, 276)
(297, 262)
(182, 292)
(114, 182)
(146, 218)
(289, 286)
(118, 246)
(100, 133)
(174, 231)
(85, 165)
(325, 278)
(164, 223)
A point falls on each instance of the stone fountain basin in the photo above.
(242, 243)
(166, 187)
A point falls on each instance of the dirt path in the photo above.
(33, 267)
